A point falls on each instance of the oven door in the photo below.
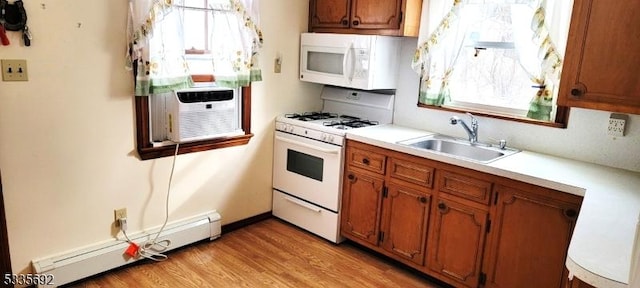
(308, 169)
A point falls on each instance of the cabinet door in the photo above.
(329, 14)
(577, 283)
(405, 216)
(601, 63)
(361, 203)
(529, 239)
(376, 14)
(456, 242)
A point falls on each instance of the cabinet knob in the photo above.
(365, 161)
(345, 22)
(351, 177)
(423, 199)
(571, 213)
(356, 22)
(578, 90)
(442, 206)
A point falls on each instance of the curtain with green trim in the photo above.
(538, 56)
(437, 53)
(156, 52)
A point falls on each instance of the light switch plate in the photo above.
(14, 70)
(617, 124)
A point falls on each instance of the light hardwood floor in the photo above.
(269, 253)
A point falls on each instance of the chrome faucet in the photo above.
(472, 132)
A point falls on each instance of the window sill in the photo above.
(147, 153)
(562, 115)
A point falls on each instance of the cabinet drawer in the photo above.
(367, 160)
(411, 172)
(465, 187)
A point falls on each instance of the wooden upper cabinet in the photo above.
(381, 17)
(602, 58)
(329, 13)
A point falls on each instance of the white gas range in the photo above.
(309, 157)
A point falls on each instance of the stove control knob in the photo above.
(330, 138)
(324, 137)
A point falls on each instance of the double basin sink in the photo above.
(460, 148)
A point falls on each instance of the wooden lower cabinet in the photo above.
(405, 215)
(456, 241)
(466, 228)
(528, 240)
(361, 203)
(577, 283)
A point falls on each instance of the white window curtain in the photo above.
(439, 46)
(438, 50)
(156, 51)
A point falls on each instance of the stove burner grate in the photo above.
(310, 116)
(344, 124)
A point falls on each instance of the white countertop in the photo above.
(607, 232)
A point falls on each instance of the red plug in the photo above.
(3, 36)
(132, 250)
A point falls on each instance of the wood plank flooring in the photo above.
(270, 253)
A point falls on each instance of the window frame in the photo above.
(147, 151)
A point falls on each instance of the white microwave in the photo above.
(367, 62)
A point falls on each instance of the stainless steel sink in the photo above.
(479, 152)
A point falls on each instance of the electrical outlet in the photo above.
(617, 124)
(119, 214)
(277, 65)
(14, 70)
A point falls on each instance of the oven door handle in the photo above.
(307, 145)
(303, 204)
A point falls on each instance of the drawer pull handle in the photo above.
(303, 204)
(365, 161)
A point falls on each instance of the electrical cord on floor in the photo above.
(152, 249)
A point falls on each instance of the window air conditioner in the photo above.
(203, 113)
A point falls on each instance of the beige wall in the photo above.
(67, 136)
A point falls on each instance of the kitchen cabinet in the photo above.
(600, 69)
(361, 203)
(456, 241)
(577, 283)
(386, 202)
(459, 225)
(529, 237)
(381, 17)
(464, 227)
(404, 222)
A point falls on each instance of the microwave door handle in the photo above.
(307, 145)
(345, 61)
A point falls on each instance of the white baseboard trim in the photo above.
(84, 262)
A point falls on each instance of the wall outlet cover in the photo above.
(617, 123)
(14, 70)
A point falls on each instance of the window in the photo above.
(177, 44)
(495, 58)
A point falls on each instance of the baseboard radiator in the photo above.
(85, 262)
